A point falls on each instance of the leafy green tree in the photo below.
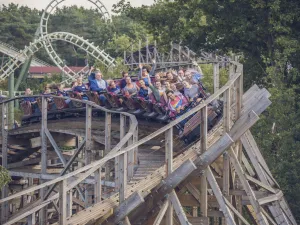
(4, 177)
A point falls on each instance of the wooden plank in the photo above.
(270, 198)
(161, 213)
(123, 163)
(220, 198)
(97, 186)
(238, 168)
(35, 142)
(199, 220)
(239, 215)
(43, 212)
(169, 168)
(203, 182)
(261, 184)
(227, 126)
(126, 207)
(4, 190)
(178, 208)
(248, 166)
(263, 173)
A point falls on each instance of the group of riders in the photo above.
(171, 92)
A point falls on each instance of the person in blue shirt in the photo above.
(98, 84)
(81, 88)
(113, 88)
(28, 93)
(62, 92)
(143, 92)
(192, 78)
(143, 74)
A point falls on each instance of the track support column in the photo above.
(4, 191)
(88, 148)
(43, 216)
(226, 161)
(11, 104)
(108, 165)
(203, 148)
(216, 71)
(63, 202)
(169, 169)
(122, 163)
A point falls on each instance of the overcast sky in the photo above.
(41, 4)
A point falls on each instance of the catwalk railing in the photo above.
(125, 157)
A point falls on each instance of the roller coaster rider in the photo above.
(80, 89)
(31, 100)
(145, 75)
(62, 92)
(97, 84)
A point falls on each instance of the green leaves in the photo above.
(4, 177)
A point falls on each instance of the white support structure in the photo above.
(83, 44)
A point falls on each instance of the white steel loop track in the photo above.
(106, 59)
(83, 44)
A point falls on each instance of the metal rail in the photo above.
(13, 52)
(107, 60)
(97, 53)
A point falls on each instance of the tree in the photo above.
(4, 177)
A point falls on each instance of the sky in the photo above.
(41, 4)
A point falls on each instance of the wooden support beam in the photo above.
(193, 190)
(270, 198)
(122, 172)
(55, 146)
(227, 126)
(239, 215)
(131, 159)
(4, 190)
(220, 198)
(88, 149)
(261, 184)
(264, 176)
(63, 202)
(161, 213)
(31, 219)
(43, 212)
(268, 217)
(108, 165)
(216, 72)
(97, 188)
(159, 194)
(169, 168)
(126, 207)
(199, 220)
(239, 170)
(107, 132)
(69, 202)
(178, 208)
(203, 148)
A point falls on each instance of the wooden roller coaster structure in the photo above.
(124, 171)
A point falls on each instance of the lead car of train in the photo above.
(58, 108)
